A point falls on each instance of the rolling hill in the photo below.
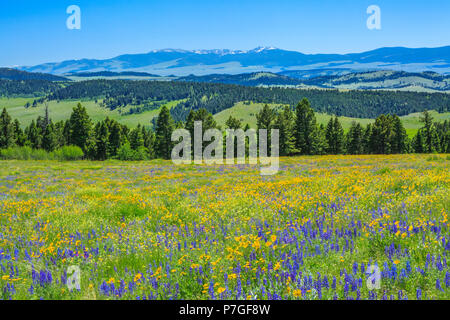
(14, 74)
(245, 112)
(371, 80)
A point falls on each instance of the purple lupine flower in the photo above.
(438, 285)
(408, 266)
(355, 268)
(419, 294)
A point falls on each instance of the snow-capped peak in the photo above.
(216, 51)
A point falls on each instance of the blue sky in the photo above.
(33, 32)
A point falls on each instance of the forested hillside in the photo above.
(14, 74)
(217, 97)
(36, 88)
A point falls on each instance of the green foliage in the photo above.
(7, 137)
(66, 153)
(164, 129)
(334, 137)
(430, 138)
(126, 153)
(308, 139)
(50, 138)
(285, 123)
(80, 127)
(355, 139)
(299, 133)
(233, 123)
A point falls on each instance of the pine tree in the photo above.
(265, 118)
(417, 142)
(80, 127)
(59, 131)
(334, 136)
(285, 123)
(136, 139)
(49, 138)
(306, 131)
(164, 129)
(399, 142)
(381, 136)
(202, 115)
(366, 142)
(149, 142)
(115, 138)
(46, 120)
(233, 123)
(66, 132)
(431, 142)
(339, 137)
(355, 139)
(207, 121)
(19, 135)
(329, 135)
(6, 130)
(34, 135)
(102, 140)
(319, 139)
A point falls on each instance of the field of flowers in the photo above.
(153, 230)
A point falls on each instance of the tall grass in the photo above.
(66, 153)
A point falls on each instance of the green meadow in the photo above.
(247, 114)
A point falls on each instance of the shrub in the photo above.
(19, 153)
(68, 153)
(126, 153)
(65, 153)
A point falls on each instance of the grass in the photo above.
(247, 114)
(62, 110)
(154, 230)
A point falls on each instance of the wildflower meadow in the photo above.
(153, 230)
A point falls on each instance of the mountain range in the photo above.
(178, 62)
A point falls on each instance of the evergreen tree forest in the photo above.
(298, 131)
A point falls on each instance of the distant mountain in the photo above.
(14, 74)
(108, 74)
(268, 59)
(379, 80)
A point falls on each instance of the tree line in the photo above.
(299, 134)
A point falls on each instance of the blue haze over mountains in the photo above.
(179, 62)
